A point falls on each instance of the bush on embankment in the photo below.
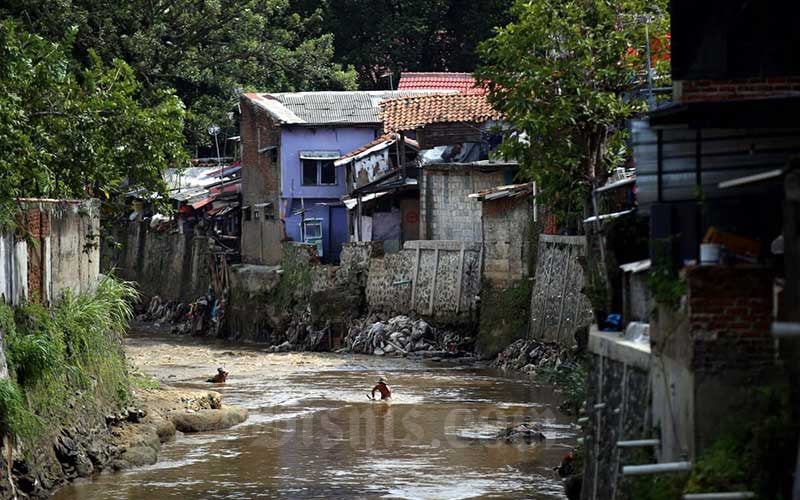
(64, 363)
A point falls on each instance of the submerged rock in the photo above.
(208, 420)
(522, 433)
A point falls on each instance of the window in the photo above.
(312, 233)
(318, 172)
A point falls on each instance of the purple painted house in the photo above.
(291, 188)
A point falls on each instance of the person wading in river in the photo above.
(381, 387)
(220, 377)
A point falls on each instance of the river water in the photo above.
(312, 432)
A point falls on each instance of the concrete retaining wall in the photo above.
(436, 279)
(619, 381)
(558, 305)
(168, 264)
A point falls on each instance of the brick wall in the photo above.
(730, 311)
(261, 178)
(750, 88)
(34, 226)
(446, 212)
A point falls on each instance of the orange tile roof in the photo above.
(410, 113)
(436, 81)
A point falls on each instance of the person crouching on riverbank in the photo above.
(382, 388)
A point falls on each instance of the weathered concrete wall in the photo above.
(506, 228)
(264, 300)
(248, 314)
(437, 279)
(446, 211)
(55, 248)
(171, 265)
(558, 304)
(619, 381)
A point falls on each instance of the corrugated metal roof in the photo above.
(326, 108)
(510, 191)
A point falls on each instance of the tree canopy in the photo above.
(565, 73)
(377, 36)
(70, 130)
(206, 50)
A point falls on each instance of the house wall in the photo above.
(261, 236)
(743, 88)
(296, 139)
(295, 196)
(334, 224)
(56, 248)
(446, 212)
(506, 227)
(707, 355)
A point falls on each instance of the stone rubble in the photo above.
(530, 355)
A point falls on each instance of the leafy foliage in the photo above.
(71, 131)
(407, 35)
(16, 419)
(752, 453)
(564, 74)
(570, 378)
(207, 51)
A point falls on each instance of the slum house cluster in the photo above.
(325, 168)
(708, 313)
(179, 257)
(400, 189)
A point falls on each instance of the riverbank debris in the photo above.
(402, 335)
(530, 355)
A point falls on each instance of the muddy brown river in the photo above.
(312, 432)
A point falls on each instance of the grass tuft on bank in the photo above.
(56, 355)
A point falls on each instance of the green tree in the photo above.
(565, 74)
(69, 130)
(207, 50)
(376, 36)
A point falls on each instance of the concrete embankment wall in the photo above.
(435, 279)
(54, 248)
(265, 299)
(618, 406)
(559, 306)
(171, 265)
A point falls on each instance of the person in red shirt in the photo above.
(381, 387)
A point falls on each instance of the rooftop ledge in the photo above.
(614, 346)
